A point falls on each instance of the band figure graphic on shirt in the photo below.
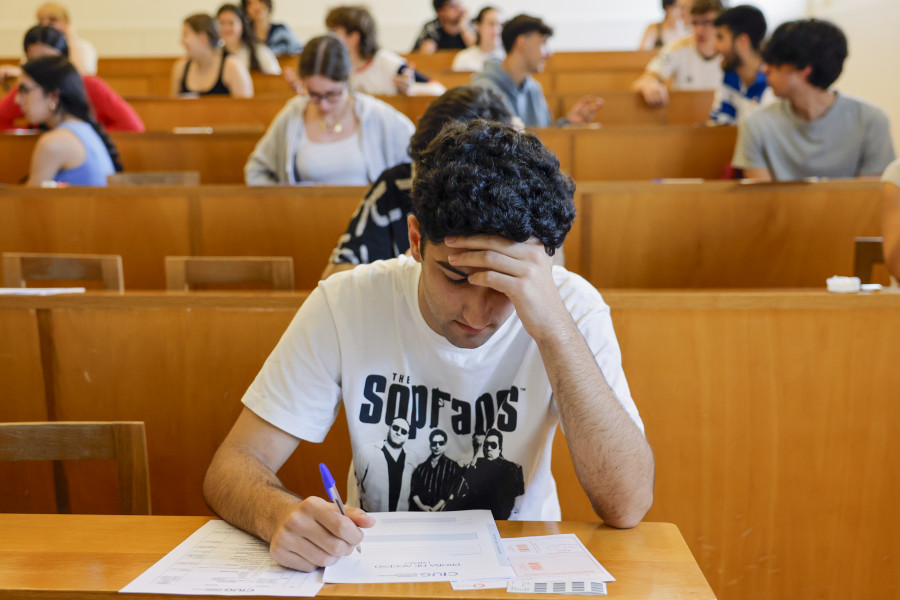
(389, 480)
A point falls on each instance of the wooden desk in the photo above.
(89, 557)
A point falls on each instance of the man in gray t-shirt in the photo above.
(811, 131)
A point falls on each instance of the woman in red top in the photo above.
(110, 109)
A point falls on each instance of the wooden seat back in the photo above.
(19, 267)
(154, 178)
(185, 271)
(122, 441)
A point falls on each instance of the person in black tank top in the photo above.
(200, 38)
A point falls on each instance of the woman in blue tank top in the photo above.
(76, 150)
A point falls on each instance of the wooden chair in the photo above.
(19, 267)
(154, 178)
(867, 252)
(121, 441)
(184, 271)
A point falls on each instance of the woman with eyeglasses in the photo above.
(208, 68)
(76, 150)
(328, 134)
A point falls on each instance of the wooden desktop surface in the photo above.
(79, 557)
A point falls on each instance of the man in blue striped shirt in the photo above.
(739, 35)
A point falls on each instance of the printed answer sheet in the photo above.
(425, 546)
(219, 559)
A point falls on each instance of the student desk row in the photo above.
(615, 153)
(626, 235)
(104, 553)
(163, 113)
(565, 72)
(772, 415)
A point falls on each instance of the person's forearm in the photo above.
(612, 458)
(244, 492)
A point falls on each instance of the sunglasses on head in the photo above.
(399, 429)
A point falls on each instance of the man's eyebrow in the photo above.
(449, 268)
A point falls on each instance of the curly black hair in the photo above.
(809, 42)
(480, 177)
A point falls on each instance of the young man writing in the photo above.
(477, 332)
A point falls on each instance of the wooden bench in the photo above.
(614, 153)
(751, 401)
(627, 235)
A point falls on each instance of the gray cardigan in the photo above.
(385, 134)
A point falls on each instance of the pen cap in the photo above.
(327, 479)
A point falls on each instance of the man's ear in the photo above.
(743, 42)
(415, 237)
(805, 72)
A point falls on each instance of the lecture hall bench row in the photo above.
(772, 416)
(616, 153)
(627, 235)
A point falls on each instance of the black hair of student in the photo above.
(462, 103)
(49, 36)
(435, 432)
(203, 23)
(248, 36)
(495, 433)
(522, 25)
(360, 20)
(701, 7)
(744, 19)
(325, 55)
(809, 43)
(478, 18)
(439, 4)
(667, 3)
(481, 177)
(56, 74)
(268, 4)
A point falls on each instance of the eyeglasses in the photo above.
(317, 98)
(491, 445)
(399, 429)
(438, 442)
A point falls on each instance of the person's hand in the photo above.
(654, 92)
(293, 81)
(312, 533)
(584, 110)
(405, 79)
(520, 271)
(8, 73)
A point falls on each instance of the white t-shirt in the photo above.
(892, 173)
(687, 68)
(360, 337)
(88, 56)
(472, 58)
(376, 77)
(332, 163)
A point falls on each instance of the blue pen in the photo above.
(331, 490)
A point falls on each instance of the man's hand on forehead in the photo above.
(520, 270)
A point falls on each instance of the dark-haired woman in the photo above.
(110, 109)
(328, 134)
(488, 25)
(276, 36)
(208, 68)
(76, 150)
(240, 41)
(369, 239)
(673, 26)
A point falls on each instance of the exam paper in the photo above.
(219, 559)
(426, 546)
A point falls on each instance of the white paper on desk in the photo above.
(40, 291)
(219, 559)
(425, 546)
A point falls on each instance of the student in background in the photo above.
(451, 29)
(82, 53)
(376, 70)
(890, 218)
(488, 27)
(109, 108)
(76, 150)
(671, 28)
(240, 41)
(525, 41)
(208, 69)
(329, 135)
(276, 36)
(690, 63)
(812, 130)
(378, 230)
(739, 35)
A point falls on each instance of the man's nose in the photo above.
(479, 307)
